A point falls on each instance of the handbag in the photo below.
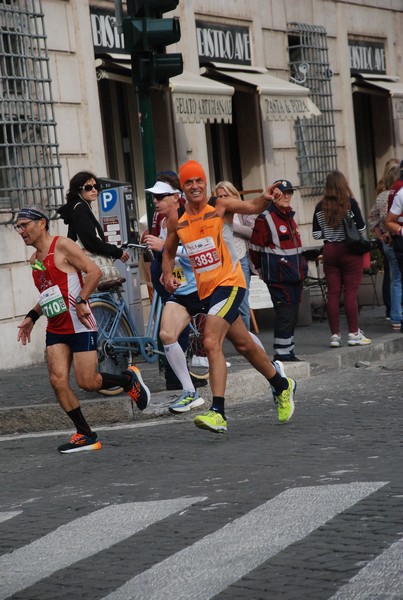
(356, 242)
(110, 273)
(111, 276)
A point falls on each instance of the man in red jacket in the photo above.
(275, 250)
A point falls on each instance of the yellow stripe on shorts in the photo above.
(228, 305)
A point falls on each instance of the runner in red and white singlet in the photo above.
(58, 292)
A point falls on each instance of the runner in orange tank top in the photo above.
(221, 282)
(209, 256)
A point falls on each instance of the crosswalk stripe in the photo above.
(381, 578)
(95, 532)
(212, 564)
(9, 515)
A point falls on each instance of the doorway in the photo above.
(374, 140)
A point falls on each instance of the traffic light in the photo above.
(146, 36)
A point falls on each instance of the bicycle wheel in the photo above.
(195, 354)
(109, 360)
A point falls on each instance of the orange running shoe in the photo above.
(139, 392)
(80, 442)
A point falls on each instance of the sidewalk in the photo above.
(28, 403)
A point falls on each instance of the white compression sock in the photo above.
(256, 340)
(177, 360)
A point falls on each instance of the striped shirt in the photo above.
(322, 231)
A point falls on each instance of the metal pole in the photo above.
(119, 16)
(147, 141)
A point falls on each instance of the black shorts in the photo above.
(191, 302)
(77, 342)
(225, 301)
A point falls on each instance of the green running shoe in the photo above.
(285, 401)
(211, 420)
(187, 401)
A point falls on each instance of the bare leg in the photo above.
(215, 331)
(59, 358)
(255, 354)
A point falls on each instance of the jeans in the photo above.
(395, 284)
(343, 272)
(244, 309)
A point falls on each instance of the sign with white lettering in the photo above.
(287, 108)
(202, 108)
(105, 36)
(223, 43)
(367, 57)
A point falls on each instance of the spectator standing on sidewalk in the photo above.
(394, 220)
(58, 265)
(386, 282)
(275, 250)
(376, 221)
(343, 270)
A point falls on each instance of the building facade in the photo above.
(270, 89)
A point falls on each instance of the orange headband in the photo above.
(190, 170)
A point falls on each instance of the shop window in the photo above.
(316, 137)
(30, 170)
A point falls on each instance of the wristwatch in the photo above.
(81, 300)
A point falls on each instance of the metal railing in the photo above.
(316, 137)
(30, 170)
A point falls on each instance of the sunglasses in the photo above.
(159, 197)
(88, 187)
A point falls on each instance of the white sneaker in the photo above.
(202, 361)
(358, 339)
(335, 341)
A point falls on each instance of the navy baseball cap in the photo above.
(283, 185)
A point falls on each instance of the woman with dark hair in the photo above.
(83, 226)
(343, 270)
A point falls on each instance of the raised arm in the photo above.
(247, 207)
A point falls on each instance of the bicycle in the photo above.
(118, 338)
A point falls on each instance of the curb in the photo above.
(351, 355)
(119, 409)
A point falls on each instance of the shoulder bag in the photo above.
(111, 276)
(356, 242)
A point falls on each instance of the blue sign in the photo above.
(108, 199)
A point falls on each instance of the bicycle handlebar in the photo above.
(143, 247)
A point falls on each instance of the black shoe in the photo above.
(79, 442)
(286, 358)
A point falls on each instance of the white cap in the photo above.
(160, 187)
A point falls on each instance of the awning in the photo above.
(280, 100)
(197, 99)
(114, 66)
(382, 84)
